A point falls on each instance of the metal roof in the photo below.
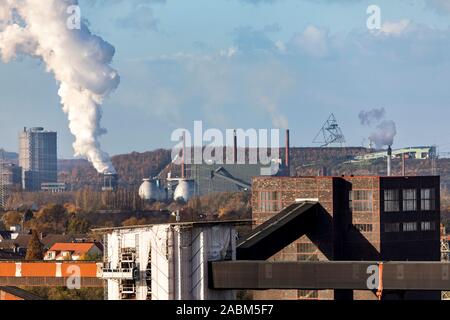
(277, 232)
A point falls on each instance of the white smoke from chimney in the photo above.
(374, 115)
(384, 134)
(385, 130)
(79, 60)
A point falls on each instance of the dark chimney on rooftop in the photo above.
(287, 154)
(235, 147)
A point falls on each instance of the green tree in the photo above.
(35, 249)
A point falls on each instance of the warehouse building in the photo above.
(368, 218)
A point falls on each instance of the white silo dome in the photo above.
(184, 190)
(149, 190)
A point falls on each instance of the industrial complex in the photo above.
(334, 227)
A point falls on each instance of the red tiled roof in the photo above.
(81, 247)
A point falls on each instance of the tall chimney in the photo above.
(403, 165)
(184, 152)
(287, 152)
(235, 147)
(389, 158)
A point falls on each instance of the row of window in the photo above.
(361, 200)
(410, 226)
(409, 200)
(269, 201)
(363, 227)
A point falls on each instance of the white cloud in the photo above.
(395, 28)
(313, 41)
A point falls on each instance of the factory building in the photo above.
(365, 218)
(110, 182)
(212, 177)
(37, 157)
(166, 261)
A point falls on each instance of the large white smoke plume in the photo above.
(385, 131)
(374, 115)
(79, 60)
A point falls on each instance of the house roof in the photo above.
(20, 293)
(5, 235)
(79, 247)
(48, 240)
(7, 255)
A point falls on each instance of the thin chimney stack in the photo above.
(403, 165)
(287, 154)
(235, 151)
(389, 159)
(183, 158)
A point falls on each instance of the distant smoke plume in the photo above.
(278, 119)
(385, 134)
(78, 59)
(373, 116)
(385, 130)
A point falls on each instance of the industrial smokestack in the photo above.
(287, 152)
(184, 153)
(403, 165)
(235, 147)
(389, 158)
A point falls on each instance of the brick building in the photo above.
(369, 218)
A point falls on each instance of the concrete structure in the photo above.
(110, 182)
(420, 152)
(54, 187)
(367, 218)
(37, 157)
(166, 261)
(72, 251)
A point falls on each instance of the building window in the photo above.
(409, 226)
(428, 225)
(269, 201)
(392, 227)
(391, 200)
(363, 227)
(427, 199)
(409, 200)
(307, 294)
(360, 200)
(306, 248)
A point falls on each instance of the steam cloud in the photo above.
(374, 115)
(385, 134)
(385, 130)
(78, 59)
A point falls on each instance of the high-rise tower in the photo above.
(37, 157)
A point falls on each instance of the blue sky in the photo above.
(252, 64)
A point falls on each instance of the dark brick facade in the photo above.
(364, 218)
